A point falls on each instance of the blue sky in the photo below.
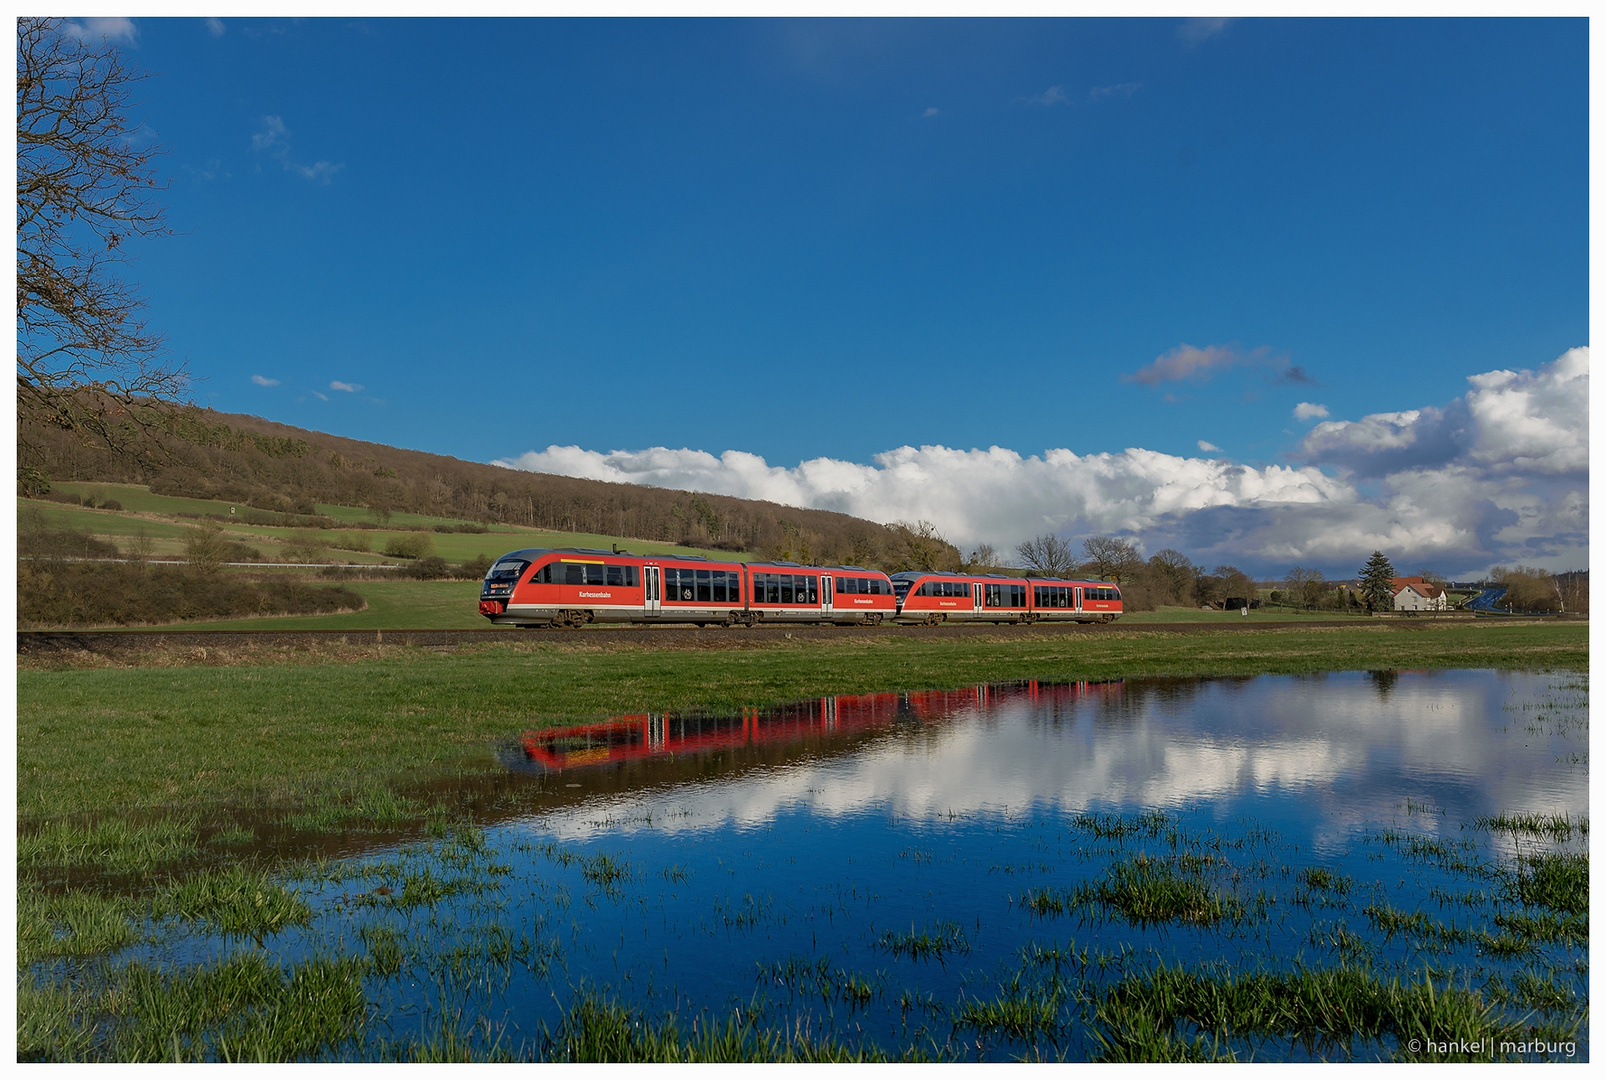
(778, 258)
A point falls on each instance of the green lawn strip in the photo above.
(415, 605)
(1233, 618)
(111, 524)
(139, 499)
(454, 547)
(113, 740)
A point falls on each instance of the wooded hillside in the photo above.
(274, 466)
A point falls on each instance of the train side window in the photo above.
(574, 574)
(733, 586)
(595, 574)
(810, 591)
(632, 580)
(705, 588)
(786, 587)
(616, 575)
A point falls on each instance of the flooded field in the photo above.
(1350, 866)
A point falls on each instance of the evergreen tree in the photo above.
(1376, 583)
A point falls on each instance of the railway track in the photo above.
(46, 643)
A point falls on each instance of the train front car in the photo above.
(575, 586)
(563, 587)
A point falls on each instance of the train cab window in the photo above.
(506, 572)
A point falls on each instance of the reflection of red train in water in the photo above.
(628, 738)
(575, 586)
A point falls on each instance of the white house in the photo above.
(1415, 594)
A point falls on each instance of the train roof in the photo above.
(532, 554)
(911, 575)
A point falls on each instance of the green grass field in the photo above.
(276, 725)
(152, 787)
(392, 605)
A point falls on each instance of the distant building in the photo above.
(1415, 594)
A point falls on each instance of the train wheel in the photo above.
(935, 618)
(873, 619)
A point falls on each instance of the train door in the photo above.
(655, 589)
(976, 588)
(826, 593)
(1079, 598)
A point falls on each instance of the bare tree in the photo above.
(86, 361)
(984, 557)
(1110, 558)
(921, 547)
(1048, 555)
(1236, 585)
(1306, 586)
(1174, 573)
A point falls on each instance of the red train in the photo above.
(575, 586)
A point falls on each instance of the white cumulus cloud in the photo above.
(349, 388)
(1498, 476)
(1305, 410)
(1209, 447)
(263, 380)
(973, 496)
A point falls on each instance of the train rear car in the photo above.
(1056, 600)
(930, 599)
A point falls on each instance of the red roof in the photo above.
(1432, 592)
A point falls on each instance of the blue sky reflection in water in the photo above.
(873, 884)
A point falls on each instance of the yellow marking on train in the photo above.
(597, 562)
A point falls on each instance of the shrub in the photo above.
(475, 567)
(413, 545)
(429, 568)
(55, 593)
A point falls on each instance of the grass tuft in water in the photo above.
(1556, 881)
(1343, 1011)
(235, 900)
(77, 923)
(933, 942)
(1148, 891)
(597, 1029)
(244, 1008)
(1558, 827)
(1022, 1015)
